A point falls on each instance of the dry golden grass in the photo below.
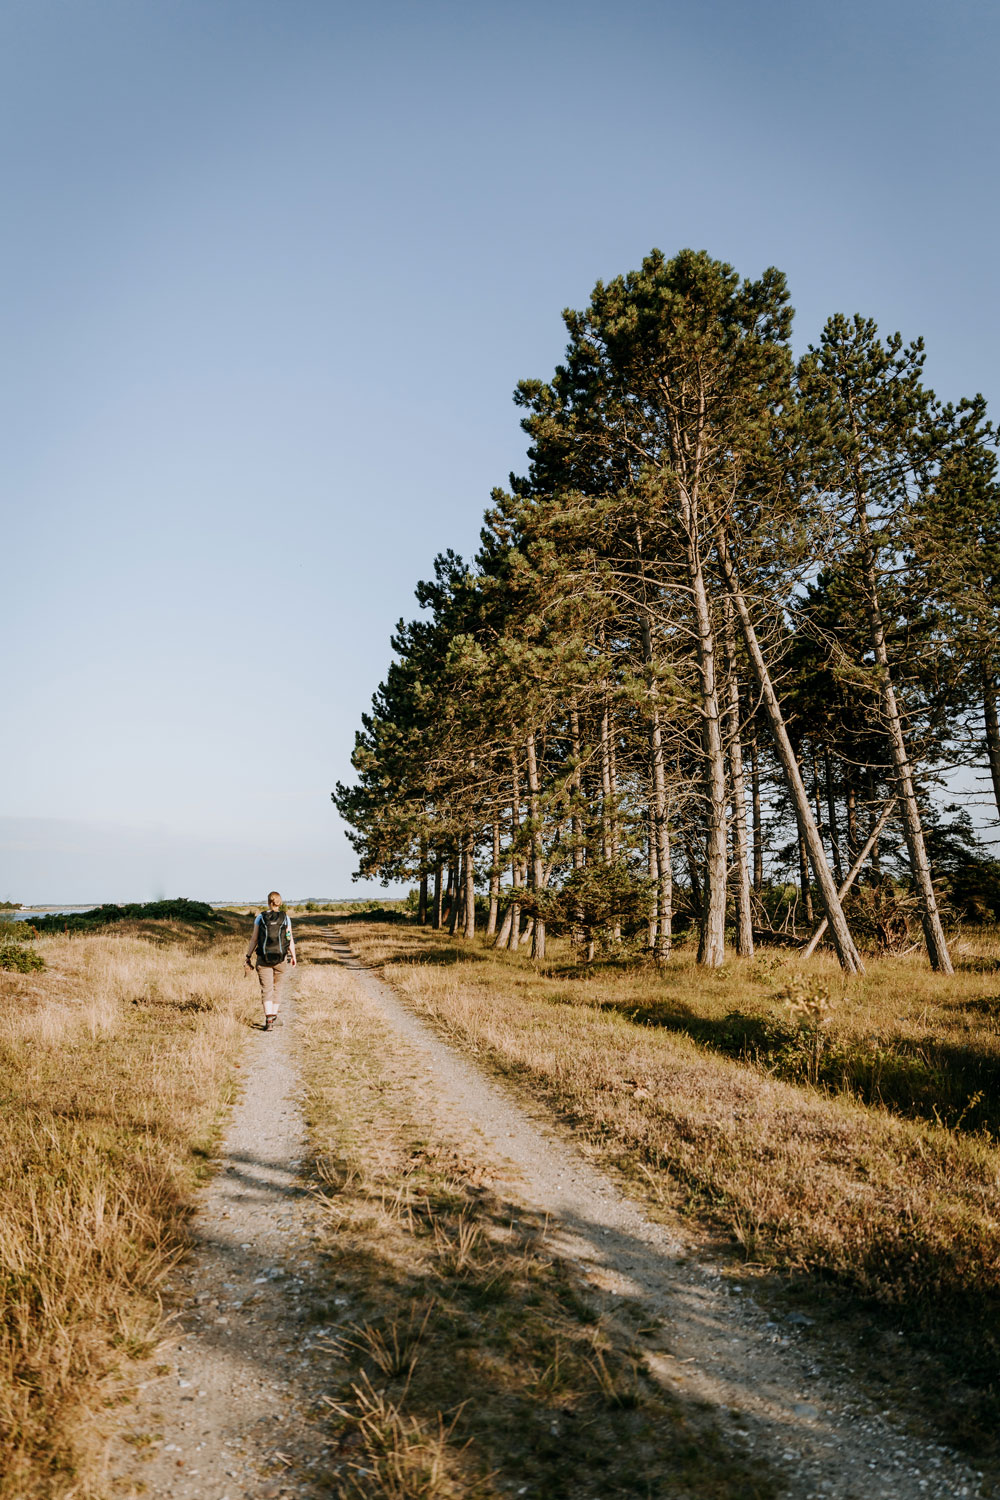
(472, 1365)
(115, 1065)
(792, 1107)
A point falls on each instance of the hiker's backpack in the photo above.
(272, 939)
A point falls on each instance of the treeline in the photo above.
(715, 647)
(179, 909)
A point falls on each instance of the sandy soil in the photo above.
(231, 1414)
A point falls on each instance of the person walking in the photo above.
(274, 947)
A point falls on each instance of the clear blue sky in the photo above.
(269, 273)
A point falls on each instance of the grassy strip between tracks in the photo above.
(467, 1360)
(115, 1065)
(886, 1220)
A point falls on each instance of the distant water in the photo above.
(41, 911)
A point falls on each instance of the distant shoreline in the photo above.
(54, 909)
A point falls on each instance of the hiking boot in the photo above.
(268, 1023)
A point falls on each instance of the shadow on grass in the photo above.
(474, 1342)
(953, 1084)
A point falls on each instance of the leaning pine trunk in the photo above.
(534, 788)
(930, 917)
(850, 958)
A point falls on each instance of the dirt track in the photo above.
(231, 1415)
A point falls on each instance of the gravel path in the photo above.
(231, 1417)
(765, 1380)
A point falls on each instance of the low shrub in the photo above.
(19, 958)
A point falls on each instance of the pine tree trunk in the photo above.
(455, 886)
(817, 796)
(831, 812)
(515, 864)
(804, 887)
(744, 914)
(469, 873)
(692, 864)
(930, 917)
(852, 822)
(850, 958)
(661, 834)
(491, 922)
(449, 889)
(579, 852)
(422, 898)
(503, 937)
(534, 789)
(992, 734)
(605, 786)
(652, 868)
(758, 824)
(515, 926)
(438, 896)
(712, 933)
(616, 930)
(876, 852)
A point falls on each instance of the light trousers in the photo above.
(274, 980)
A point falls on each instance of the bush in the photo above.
(15, 956)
